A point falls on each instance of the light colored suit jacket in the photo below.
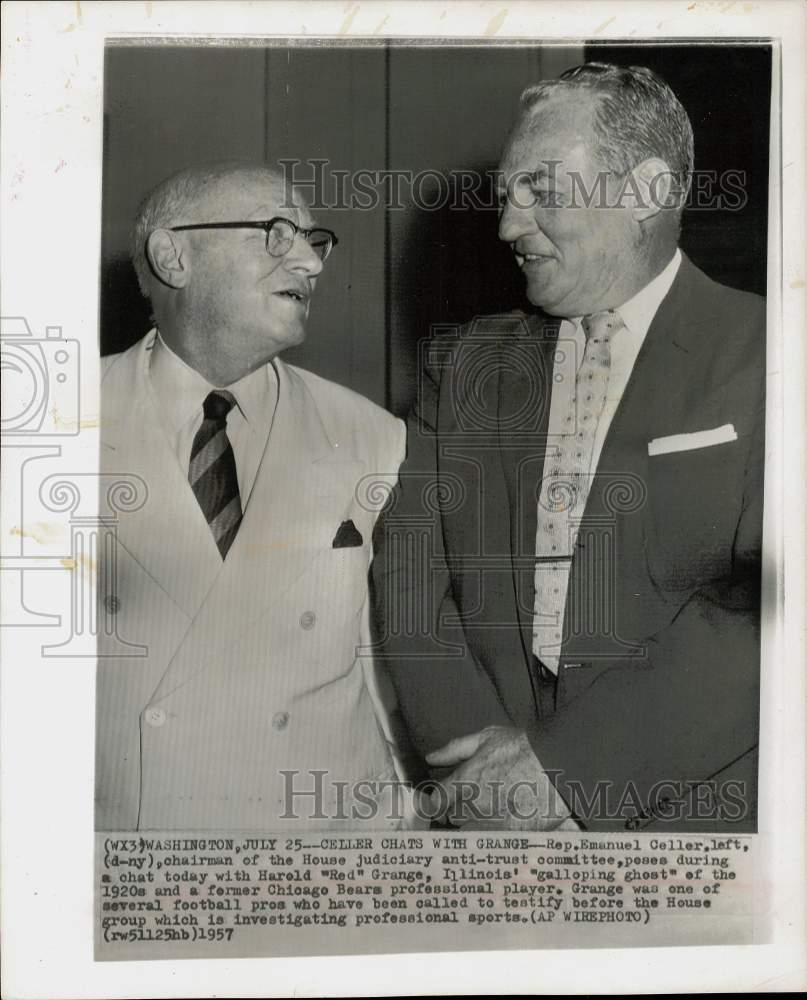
(253, 666)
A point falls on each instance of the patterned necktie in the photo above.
(212, 473)
(565, 487)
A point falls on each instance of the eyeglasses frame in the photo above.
(266, 226)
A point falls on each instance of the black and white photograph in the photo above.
(414, 503)
(618, 651)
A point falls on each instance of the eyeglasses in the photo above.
(280, 235)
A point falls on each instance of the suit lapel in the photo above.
(296, 506)
(301, 476)
(647, 409)
(664, 364)
(168, 535)
(524, 399)
(651, 406)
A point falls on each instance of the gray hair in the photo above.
(175, 201)
(637, 117)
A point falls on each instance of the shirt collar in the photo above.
(181, 390)
(638, 312)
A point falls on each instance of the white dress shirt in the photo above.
(637, 315)
(181, 392)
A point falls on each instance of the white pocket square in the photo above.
(689, 442)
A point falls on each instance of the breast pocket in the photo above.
(694, 500)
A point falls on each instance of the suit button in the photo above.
(307, 620)
(112, 603)
(154, 716)
(280, 720)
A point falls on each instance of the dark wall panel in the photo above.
(329, 104)
(165, 108)
(450, 110)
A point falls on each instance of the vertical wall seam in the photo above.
(266, 103)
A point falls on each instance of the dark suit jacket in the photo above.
(654, 717)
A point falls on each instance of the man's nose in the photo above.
(516, 220)
(303, 258)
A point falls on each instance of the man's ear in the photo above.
(655, 189)
(168, 258)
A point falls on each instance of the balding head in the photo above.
(193, 195)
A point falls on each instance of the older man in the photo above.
(243, 575)
(589, 563)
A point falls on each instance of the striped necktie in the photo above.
(212, 472)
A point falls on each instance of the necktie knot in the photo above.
(217, 405)
(600, 326)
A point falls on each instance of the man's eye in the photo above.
(547, 199)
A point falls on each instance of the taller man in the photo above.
(571, 618)
(242, 575)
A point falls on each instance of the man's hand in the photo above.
(499, 782)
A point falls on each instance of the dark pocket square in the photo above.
(348, 536)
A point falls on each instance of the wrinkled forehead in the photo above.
(254, 195)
